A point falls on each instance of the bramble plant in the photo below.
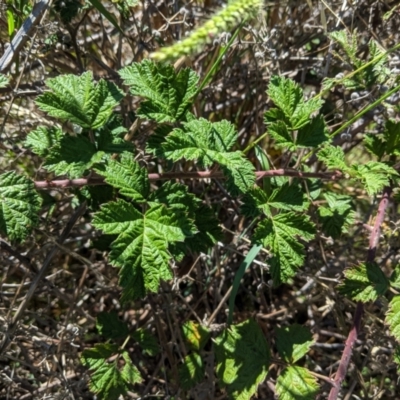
(150, 220)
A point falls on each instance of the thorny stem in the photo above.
(355, 329)
(64, 183)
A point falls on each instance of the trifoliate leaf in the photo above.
(393, 317)
(110, 326)
(127, 176)
(72, 156)
(293, 342)
(280, 234)
(141, 249)
(374, 175)
(338, 216)
(168, 93)
(208, 143)
(79, 100)
(191, 371)
(296, 383)
(147, 342)
(108, 380)
(286, 197)
(42, 139)
(195, 335)
(19, 205)
(333, 157)
(3, 81)
(364, 282)
(288, 96)
(242, 355)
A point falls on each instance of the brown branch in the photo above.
(64, 183)
(355, 329)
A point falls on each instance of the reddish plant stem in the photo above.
(355, 329)
(64, 183)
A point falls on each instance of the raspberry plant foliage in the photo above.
(152, 223)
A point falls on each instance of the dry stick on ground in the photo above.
(353, 334)
(14, 323)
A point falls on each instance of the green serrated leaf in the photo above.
(393, 317)
(42, 139)
(147, 342)
(364, 282)
(19, 205)
(168, 93)
(208, 143)
(78, 100)
(128, 177)
(396, 358)
(374, 175)
(296, 383)
(312, 134)
(110, 326)
(293, 342)
(108, 379)
(283, 138)
(195, 335)
(141, 249)
(191, 371)
(375, 144)
(242, 355)
(3, 81)
(395, 277)
(72, 156)
(288, 96)
(338, 216)
(286, 197)
(333, 157)
(280, 234)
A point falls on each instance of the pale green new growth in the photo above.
(243, 356)
(19, 205)
(296, 383)
(233, 13)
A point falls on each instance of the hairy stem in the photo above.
(64, 183)
(355, 329)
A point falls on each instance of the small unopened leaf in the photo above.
(293, 342)
(243, 357)
(296, 383)
(364, 282)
